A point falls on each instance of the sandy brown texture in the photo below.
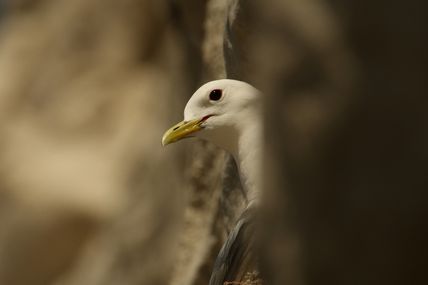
(87, 89)
(204, 230)
(89, 196)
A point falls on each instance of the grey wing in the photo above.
(236, 258)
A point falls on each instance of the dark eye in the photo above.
(215, 95)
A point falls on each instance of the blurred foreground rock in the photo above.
(88, 195)
(345, 140)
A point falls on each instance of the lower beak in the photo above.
(181, 130)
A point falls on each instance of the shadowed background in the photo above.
(89, 196)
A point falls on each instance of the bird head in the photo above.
(218, 112)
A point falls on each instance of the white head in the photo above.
(219, 111)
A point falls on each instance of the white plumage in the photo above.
(227, 113)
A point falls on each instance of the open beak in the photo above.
(182, 130)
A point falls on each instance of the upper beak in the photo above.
(181, 131)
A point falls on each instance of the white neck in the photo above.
(248, 158)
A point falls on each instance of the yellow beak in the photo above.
(181, 130)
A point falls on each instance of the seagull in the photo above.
(227, 113)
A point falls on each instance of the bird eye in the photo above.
(215, 95)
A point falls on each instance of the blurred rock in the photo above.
(345, 159)
(87, 90)
(204, 228)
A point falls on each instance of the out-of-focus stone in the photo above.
(345, 148)
(89, 196)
